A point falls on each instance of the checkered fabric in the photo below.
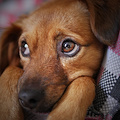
(107, 100)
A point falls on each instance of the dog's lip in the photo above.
(43, 113)
(35, 111)
(39, 113)
(41, 116)
(35, 115)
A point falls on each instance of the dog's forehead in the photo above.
(65, 13)
(52, 18)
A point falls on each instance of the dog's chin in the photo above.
(32, 115)
(41, 113)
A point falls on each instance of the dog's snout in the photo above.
(30, 98)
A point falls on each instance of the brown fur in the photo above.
(65, 84)
(105, 19)
(9, 105)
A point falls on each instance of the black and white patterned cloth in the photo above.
(107, 100)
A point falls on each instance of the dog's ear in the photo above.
(105, 19)
(9, 52)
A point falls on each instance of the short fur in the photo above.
(64, 86)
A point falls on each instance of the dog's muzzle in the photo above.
(41, 95)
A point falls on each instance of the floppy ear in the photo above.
(105, 19)
(9, 52)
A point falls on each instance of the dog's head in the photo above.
(57, 44)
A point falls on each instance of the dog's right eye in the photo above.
(24, 49)
(69, 47)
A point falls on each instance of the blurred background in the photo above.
(10, 10)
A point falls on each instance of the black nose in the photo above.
(30, 98)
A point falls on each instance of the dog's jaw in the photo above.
(29, 115)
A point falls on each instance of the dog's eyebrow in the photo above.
(31, 40)
(59, 36)
(64, 33)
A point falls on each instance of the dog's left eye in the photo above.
(24, 49)
(69, 47)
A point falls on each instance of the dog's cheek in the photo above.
(20, 83)
(24, 61)
(86, 63)
(54, 93)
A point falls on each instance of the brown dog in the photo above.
(59, 54)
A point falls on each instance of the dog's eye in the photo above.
(69, 47)
(24, 49)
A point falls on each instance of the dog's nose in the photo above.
(30, 98)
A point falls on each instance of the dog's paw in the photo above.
(9, 105)
(76, 100)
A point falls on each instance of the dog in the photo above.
(56, 52)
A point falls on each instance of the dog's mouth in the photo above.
(30, 115)
(40, 106)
